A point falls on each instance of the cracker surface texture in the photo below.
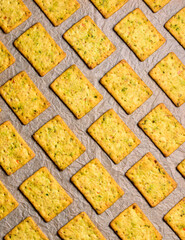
(24, 97)
(58, 11)
(113, 135)
(7, 201)
(133, 224)
(45, 194)
(80, 227)
(6, 59)
(126, 87)
(169, 74)
(176, 219)
(26, 230)
(75, 90)
(14, 151)
(181, 168)
(107, 8)
(33, 44)
(12, 14)
(89, 42)
(176, 26)
(156, 5)
(139, 34)
(97, 186)
(59, 142)
(150, 178)
(163, 129)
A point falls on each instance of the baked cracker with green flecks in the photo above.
(80, 227)
(97, 186)
(45, 194)
(75, 90)
(133, 224)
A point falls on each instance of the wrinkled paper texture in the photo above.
(79, 127)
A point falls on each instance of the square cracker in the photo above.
(6, 59)
(169, 74)
(14, 151)
(45, 194)
(27, 229)
(156, 5)
(133, 224)
(176, 26)
(33, 44)
(181, 168)
(7, 202)
(163, 129)
(80, 227)
(59, 142)
(176, 219)
(113, 135)
(97, 186)
(89, 42)
(139, 34)
(126, 87)
(12, 14)
(24, 98)
(58, 11)
(107, 8)
(75, 90)
(145, 175)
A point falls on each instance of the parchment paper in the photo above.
(80, 126)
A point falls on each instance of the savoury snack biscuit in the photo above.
(107, 8)
(126, 87)
(59, 142)
(97, 186)
(176, 26)
(46, 194)
(113, 135)
(12, 14)
(145, 175)
(6, 59)
(27, 229)
(24, 97)
(80, 227)
(7, 202)
(58, 11)
(163, 129)
(139, 34)
(14, 151)
(156, 5)
(89, 42)
(33, 44)
(133, 224)
(181, 168)
(169, 74)
(75, 90)
(176, 219)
